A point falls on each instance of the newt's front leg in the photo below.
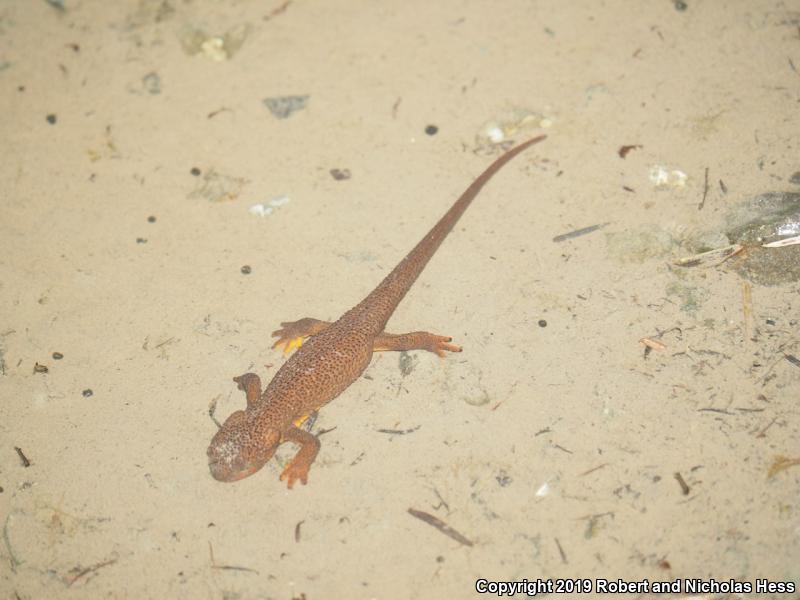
(298, 467)
(250, 384)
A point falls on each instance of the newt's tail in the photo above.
(385, 298)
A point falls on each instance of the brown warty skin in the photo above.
(333, 357)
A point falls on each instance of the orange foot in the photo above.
(438, 344)
(292, 333)
(295, 470)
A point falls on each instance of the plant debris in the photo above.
(440, 525)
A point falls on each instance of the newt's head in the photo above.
(241, 447)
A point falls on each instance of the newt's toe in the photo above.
(440, 344)
(306, 421)
(294, 471)
(289, 343)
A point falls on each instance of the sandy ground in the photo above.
(135, 141)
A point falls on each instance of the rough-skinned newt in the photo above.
(331, 358)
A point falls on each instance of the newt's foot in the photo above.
(439, 344)
(296, 469)
(306, 421)
(293, 333)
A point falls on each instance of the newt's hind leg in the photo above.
(292, 333)
(416, 340)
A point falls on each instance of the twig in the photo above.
(781, 348)
(25, 462)
(597, 468)
(276, 11)
(87, 570)
(440, 525)
(705, 192)
(578, 232)
(790, 241)
(711, 258)
(398, 431)
(165, 342)
(653, 344)
(722, 411)
(561, 552)
(227, 567)
(15, 562)
(441, 501)
(763, 432)
(681, 482)
(234, 568)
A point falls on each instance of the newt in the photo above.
(330, 356)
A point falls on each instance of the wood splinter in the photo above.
(440, 525)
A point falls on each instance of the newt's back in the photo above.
(322, 368)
